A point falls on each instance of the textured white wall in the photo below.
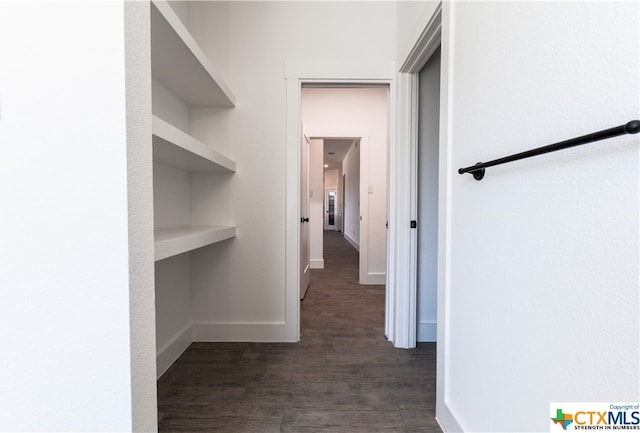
(543, 295)
(65, 280)
(227, 299)
(140, 211)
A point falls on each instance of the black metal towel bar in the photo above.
(632, 127)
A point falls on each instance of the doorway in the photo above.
(330, 209)
(357, 116)
(327, 73)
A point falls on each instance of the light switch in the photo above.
(370, 189)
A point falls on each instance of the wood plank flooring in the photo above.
(342, 377)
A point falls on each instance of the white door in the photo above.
(330, 209)
(305, 248)
(428, 177)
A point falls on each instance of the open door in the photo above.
(305, 245)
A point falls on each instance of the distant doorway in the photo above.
(330, 210)
(352, 124)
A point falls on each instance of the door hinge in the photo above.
(414, 224)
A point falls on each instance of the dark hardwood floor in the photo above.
(342, 377)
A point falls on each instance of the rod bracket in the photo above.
(478, 174)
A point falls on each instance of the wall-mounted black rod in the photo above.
(632, 127)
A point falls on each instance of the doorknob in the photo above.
(304, 220)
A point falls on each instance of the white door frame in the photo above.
(305, 262)
(403, 327)
(297, 73)
(361, 135)
(437, 33)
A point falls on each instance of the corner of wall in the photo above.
(140, 216)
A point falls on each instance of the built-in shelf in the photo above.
(183, 77)
(171, 242)
(173, 147)
(179, 63)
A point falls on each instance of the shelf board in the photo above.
(179, 63)
(173, 147)
(171, 242)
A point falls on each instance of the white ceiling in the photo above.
(339, 147)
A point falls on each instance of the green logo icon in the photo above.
(564, 419)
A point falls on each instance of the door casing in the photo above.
(437, 32)
(297, 73)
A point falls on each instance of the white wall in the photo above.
(169, 107)
(140, 209)
(208, 23)
(544, 253)
(351, 171)
(181, 8)
(331, 179)
(173, 309)
(316, 193)
(75, 321)
(229, 302)
(325, 110)
(412, 17)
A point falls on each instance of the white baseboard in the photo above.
(375, 278)
(316, 263)
(447, 420)
(427, 332)
(355, 244)
(168, 354)
(241, 332)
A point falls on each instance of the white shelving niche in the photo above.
(180, 65)
(183, 78)
(177, 149)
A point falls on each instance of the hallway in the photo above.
(343, 376)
